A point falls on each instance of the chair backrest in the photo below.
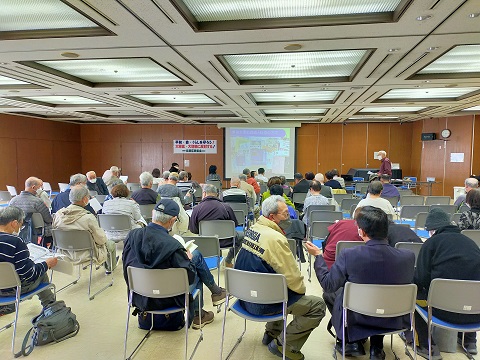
(47, 187)
(414, 247)
(12, 190)
(93, 193)
(8, 276)
(324, 215)
(319, 207)
(411, 200)
(449, 209)
(463, 208)
(198, 193)
(158, 283)
(5, 196)
(473, 234)
(216, 183)
(456, 218)
(259, 288)
(207, 245)
(319, 229)
(380, 300)
(339, 197)
(411, 211)
(346, 245)
(299, 198)
(393, 200)
(154, 187)
(116, 222)
(347, 203)
(292, 244)
(238, 206)
(457, 296)
(37, 221)
(361, 188)
(437, 200)
(240, 215)
(420, 220)
(133, 186)
(101, 198)
(223, 229)
(404, 192)
(62, 186)
(146, 210)
(72, 240)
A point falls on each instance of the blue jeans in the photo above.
(202, 276)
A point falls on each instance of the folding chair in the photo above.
(404, 192)
(449, 209)
(317, 233)
(420, 220)
(241, 218)
(37, 225)
(413, 247)
(411, 200)
(5, 196)
(321, 215)
(154, 187)
(299, 198)
(133, 186)
(383, 301)
(437, 200)
(456, 296)
(346, 204)
(318, 207)
(9, 279)
(62, 186)
(240, 206)
(73, 241)
(411, 211)
(392, 200)
(48, 188)
(341, 245)
(159, 284)
(100, 198)
(339, 197)
(12, 190)
(360, 189)
(473, 234)
(258, 288)
(456, 218)
(209, 246)
(146, 211)
(223, 229)
(263, 188)
(92, 193)
(114, 222)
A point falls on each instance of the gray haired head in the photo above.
(146, 178)
(77, 193)
(270, 205)
(77, 179)
(11, 213)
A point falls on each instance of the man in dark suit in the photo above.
(374, 263)
(95, 183)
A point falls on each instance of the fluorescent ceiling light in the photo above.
(9, 81)
(372, 117)
(475, 108)
(294, 111)
(432, 93)
(117, 70)
(222, 10)
(176, 99)
(294, 96)
(202, 113)
(391, 109)
(119, 113)
(22, 15)
(461, 59)
(63, 100)
(299, 65)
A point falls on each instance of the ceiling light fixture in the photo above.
(424, 17)
(474, 15)
(393, 50)
(292, 47)
(433, 48)
(70, 55)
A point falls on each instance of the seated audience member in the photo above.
(247, 187)
(265, 250)
(122, 205)
(399, 233)
(76, 217)
(302, 185)
(284, 184)
(235, 194)
(309, 176)
(175, 168)
(252, 181)
(13, 250)
(334, 184)
(62, 200)
(156, 176)
(153, 248)
(278, 190)
(450, 255)
(389, 191)
(30, 203)
(470, 184)
(275, 180)
(212, 208)
(374, 192)
(253, 174)
(146, 195)
(337, 177)
(374, 263)
(212, 174)
(95, 183)
(326, 190)
(183, 183)
(164, 178)
(261, 176)
(114, 179)
(170, 189)
(470, 219)
(315, 198)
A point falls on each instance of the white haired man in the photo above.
(62, 200)
(146, 195)
(386, 166)
(95, 183)
(470, 183)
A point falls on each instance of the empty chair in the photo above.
(341, 245)
(223, 229)
(12, 190)
(258, 288)
(48, 188)
(360, 189)
(299, 198)
(383, 301)
(117, 223)
(317, 233)
(420, 220)
(449, 209)
(133, 186)
(404, 192)
(346, 205)
(473, 234)
(318, 207)
(62, 186)
(9, 279)
(158, 284)
(456, 218)
(339, 197)
(209, 246)
(5, 196)
(240, 216)
(321, 215)
(437, 200)
(101, 198)
(411, 211)
(146, 211)
(455, 296)
(411, 200)
(76, 242)
(413, 247)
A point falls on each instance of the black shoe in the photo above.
(470, 347)
(376, 353)
(267, 338)
(351, 349)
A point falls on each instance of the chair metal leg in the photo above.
(465, 351)
(239, 340)
(17, 306)
(200, 338)
(69, 284)
(284, 347)
(126, 328)
(103, 288)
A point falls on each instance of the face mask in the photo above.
(359, 233)
(93, 181)
(39, 191)
(285, 224)
(16, 233)
(379, 157)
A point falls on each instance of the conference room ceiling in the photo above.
(239, 61)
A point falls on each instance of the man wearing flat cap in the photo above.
(446, 254)
(152, 247)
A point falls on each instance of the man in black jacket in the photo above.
(97, 184)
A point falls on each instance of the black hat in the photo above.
(168, 206)
(436, 219)
(174, 164)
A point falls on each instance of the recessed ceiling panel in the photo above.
(462, 59)
(116, 70)
(63, 100)
(431, 93)
(295, 96)
(204, 113)
(474, 108)
(175, 99)
(373, 117)
(9, 81)
(313, 66)
(293, 111)
(392, 109)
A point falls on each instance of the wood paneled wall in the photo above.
(33, 147)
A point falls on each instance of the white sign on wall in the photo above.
(194, 146)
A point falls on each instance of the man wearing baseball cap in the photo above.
(152, 247)
(446, 254)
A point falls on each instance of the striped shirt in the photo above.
(15, 251)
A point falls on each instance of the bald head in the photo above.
(32, 184)
(235, 181)
(91, 175)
